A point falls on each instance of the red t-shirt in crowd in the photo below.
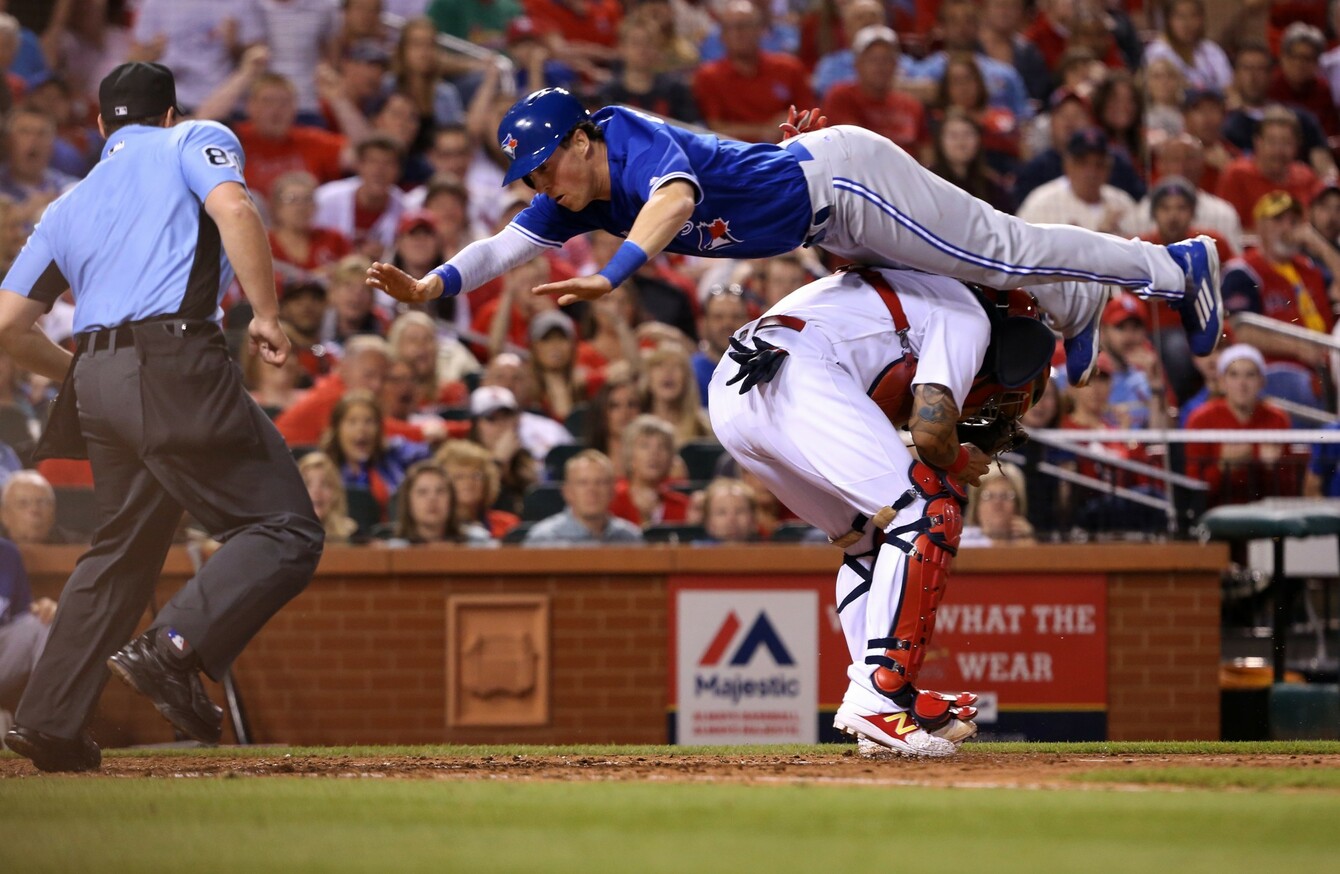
(896, 116)
(1246, 481)
(674, 505)
(1314, 96)
(1273, 293)
(303, 423)
(1242, 184)
(326, 246)
(1052, 43)
(593, 21)
(725, 94)
(305, 148)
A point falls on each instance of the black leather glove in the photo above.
(757, 365)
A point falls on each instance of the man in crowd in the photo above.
(1183, 156)
(724, 312)
(1082, 196)
(1271, 166)
(1251, 83)
(872, 101)
(588, 488)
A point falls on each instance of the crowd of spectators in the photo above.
(496, 416)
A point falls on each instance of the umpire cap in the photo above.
(534, 126)
(137, 90)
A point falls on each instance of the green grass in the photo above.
(332, 825)
(1171, 748)
(1222, 778)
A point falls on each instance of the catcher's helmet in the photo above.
(534, 126)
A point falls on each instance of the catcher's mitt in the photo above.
(994, 436)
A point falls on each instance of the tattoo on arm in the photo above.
(934, 416)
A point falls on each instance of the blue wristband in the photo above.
(627, 261)
(451, 279)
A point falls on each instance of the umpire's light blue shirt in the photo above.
(132, 240)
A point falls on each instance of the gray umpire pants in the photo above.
(253, 501)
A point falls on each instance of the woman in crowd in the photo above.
(643, 496)
(560, 380)
(329, 498)
(729, 511)
(495, 424)
(616, 404)
(350, 311)
(1202, 62)
(476, 483)
(964, 88)
(958, 158)
(1165, 96)
(998, 510)
(670, 393)
(1119, 110)
(414, 340)
(365, 460)
(416, 72)
(425, 511)
(293, 236)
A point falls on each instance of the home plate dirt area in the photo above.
(969, 769)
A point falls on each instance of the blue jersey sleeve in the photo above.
(210, 155)
(654, 156)
(34, 273)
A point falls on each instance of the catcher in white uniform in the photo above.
(810, 399)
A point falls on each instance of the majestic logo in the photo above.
(509, 145)
(715, 235)
(761, 633)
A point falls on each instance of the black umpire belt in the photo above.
(123, 336)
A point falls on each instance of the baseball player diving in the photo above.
(853, 192)
(810, 399)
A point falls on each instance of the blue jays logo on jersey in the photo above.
(715, 235)
(509, 145)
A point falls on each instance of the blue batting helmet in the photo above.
(534, 126)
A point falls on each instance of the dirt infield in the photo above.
(969, 769)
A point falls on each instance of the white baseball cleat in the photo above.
(881, 734)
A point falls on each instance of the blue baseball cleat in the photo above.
(1081, 350)
(1202, 307)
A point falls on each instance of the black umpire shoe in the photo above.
(175, 689)
(50, 753)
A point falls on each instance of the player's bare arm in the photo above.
(657, 223)
(933, 421)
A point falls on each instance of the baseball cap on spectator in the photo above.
(1240, 352)
(1301, 31)
(551, 320)
(368, 51)
(308, 287)
(489, 399)
(868, 36)
(1086, 141)
(1195, 96)
(1125, 307)
(1274, 205)
(1061, 95)
(522, 28)
(414, 219)
(1168, 185)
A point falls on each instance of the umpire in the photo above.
(147, 243)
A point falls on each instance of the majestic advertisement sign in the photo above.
(746, 666)
(1034, 649)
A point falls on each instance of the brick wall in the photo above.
(1163, 657)
(360, 657)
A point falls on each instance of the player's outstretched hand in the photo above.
(401, 286)
(798, 123)
(268, 340)
(978, 464)
(575, 289)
